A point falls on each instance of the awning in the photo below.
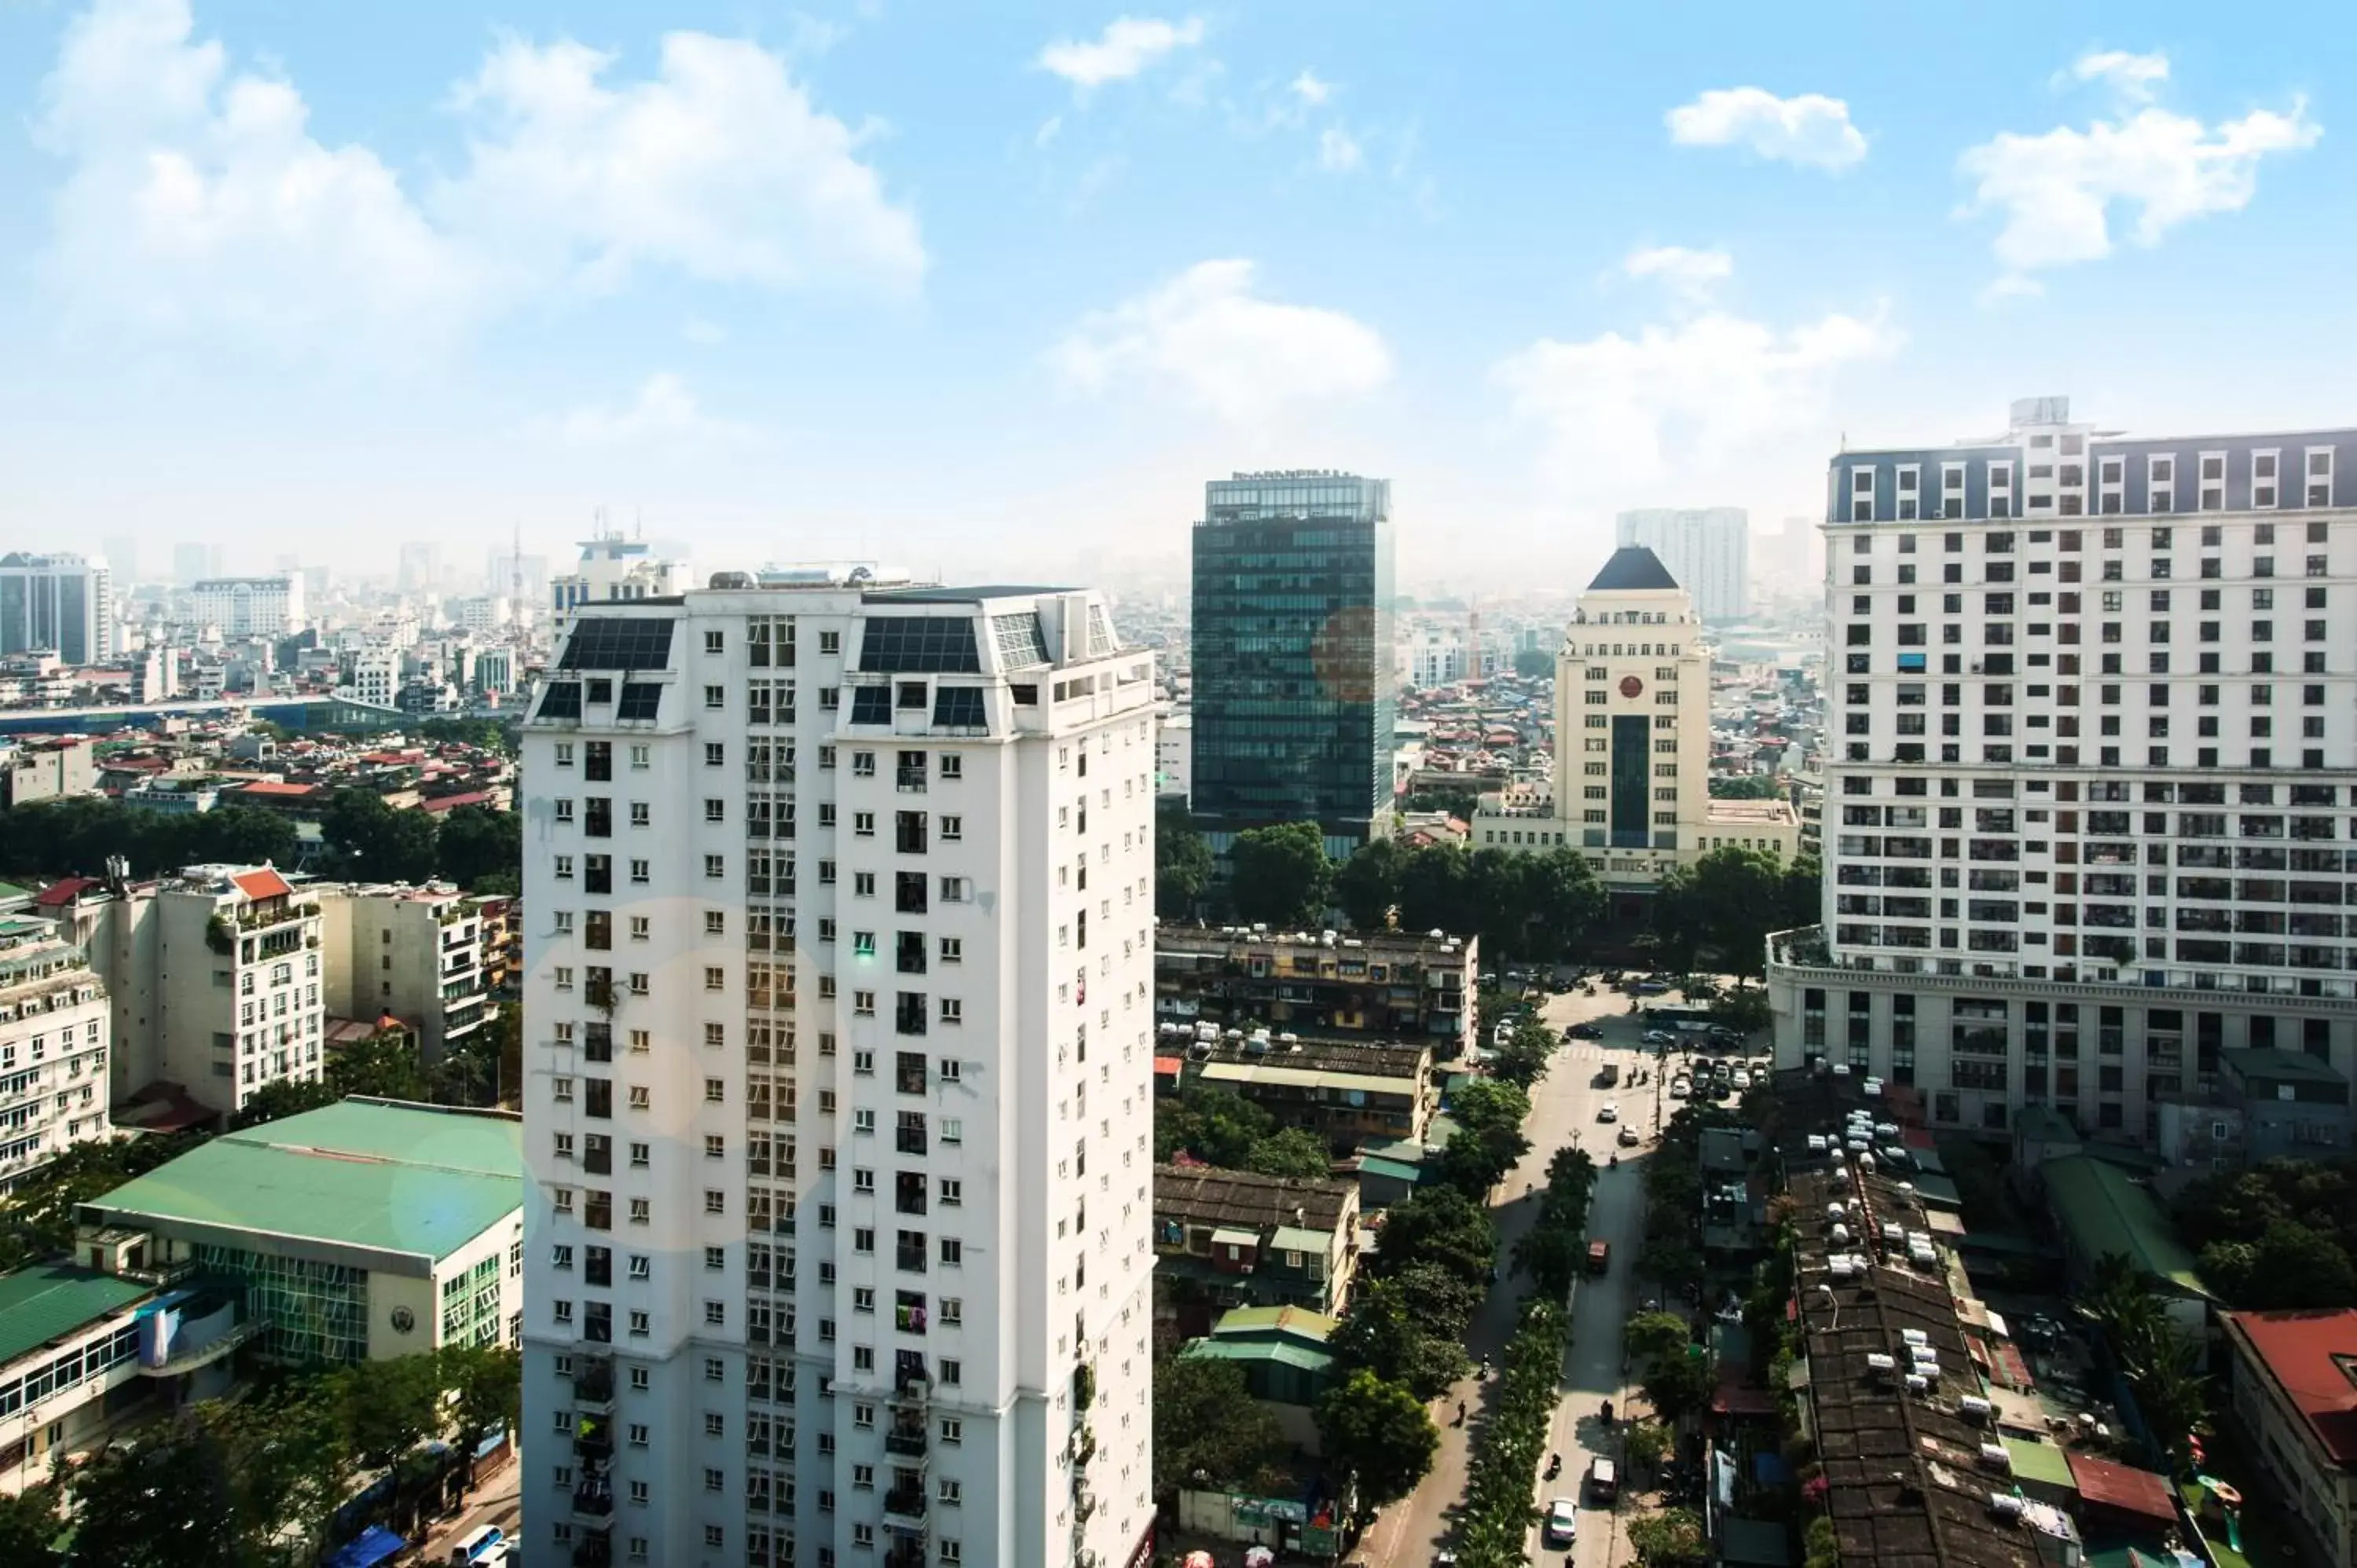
(373, 1546)
(1229, 1236)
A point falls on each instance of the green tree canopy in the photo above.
(2291, 1266)
(1671, 1537)
(1718, 912)
(1439, 1226)
(1293, 1152)
(1645, 1445)
(1182, 862)
(1408, 1329)
(165, 1500)
(282, 1097)
(385, 1064)
(30, 1525)
(1652, 1335)
(475, 845)
(1367, 885)
(1679, 1386)
(1381, 1431)
(1206, 1423)
(370, 839)
(1745, 787)
(1280, 876)
(1217, 1126)
(1533, 663)
(79, 833)
(38, 1221)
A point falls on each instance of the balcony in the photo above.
(904, 1509)
(594, 1552)
(593, 1386)
(593, 1439)
(907, 1440)
(910, 781)
(593, 1503)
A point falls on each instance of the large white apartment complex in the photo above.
(837, 1018)
(2091, 769)
(1707, 549)
(250, 607)
(53, 1041)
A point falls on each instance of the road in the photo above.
(496, 1501)
(1563, 1109)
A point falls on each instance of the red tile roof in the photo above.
(2313, 1354)
(60, 893)
(263, 884)
(272, 787)
(452, 802)
(2121, 1489)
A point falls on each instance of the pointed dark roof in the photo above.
(1634, 568)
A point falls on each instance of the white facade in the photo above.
(1707, 549)
(1436, 659)
(53, 1045)
(415, 952)
(251, 606)
(376, 675)
(613, 570)
(2091, 765)
(1173, 753)
(213, 977)
(837, 1002)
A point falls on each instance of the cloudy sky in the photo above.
(981, 287)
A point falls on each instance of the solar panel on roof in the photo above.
(871, 705)
(640, 699)
(920, 645)
(618, 642)
(958, 707)
(562, 699)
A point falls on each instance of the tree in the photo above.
(1650, 1335)
(282, 1097)
(388, 1407)
(1381, 1431)
(1745, 787)
(1489, 1105)
(1679, 1386)
(475, 842)
(385, 1065)
(1674, 1535)
(1207, 1429)
(370, 840)
(29, 1522)
(1490, 1115)
(1645, 1445)
(1436, 891)
(1217, 1126)
(1743, 1009)
(1408, 1329)
(1367, 887)
(1295, 1151)
(1280, 876)
(1439, 1226)
(2290, 1266)
(163, 1501)
(487, 1383)
(1533, 663)
(38, 1221)
(1182, 862)
(1551, 1255)
(1522, 1060)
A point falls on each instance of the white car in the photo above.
(1660, 1038)
(1742, 1079)
(1562, 1522)
(1608, 1111)
(1680, 1089)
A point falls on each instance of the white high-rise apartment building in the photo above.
(1707, 549)
(53, 1042)
(837, 1011)
(2091, 785)
(58, 603)
(251, 606)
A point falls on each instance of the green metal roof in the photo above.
(2105, 1211)
(2272, 1062)
(1297, 1320)
(2039, 1462)
(395, 1178)
(1370, 1165)
(40, 1303)
(1281, 1351)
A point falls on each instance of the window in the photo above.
(716, 867)
(716, 697)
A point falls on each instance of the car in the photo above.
(1680, 1089)
(1562, 1522)
(1608, 1111)
(1444, 1558)
(1630, 1138)
(1584, 1032)
(1742, 1079)
(1660, 1038)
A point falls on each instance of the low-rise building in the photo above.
(1379, 986)
(1282, 1352)
(47, 770)
(413, 953)
(53, 1045)
(363, 1231)
(2100, 1211)
(1226, 1239)
(2294, 1397)
(1346, 1092)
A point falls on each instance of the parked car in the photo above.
(1608, 1111)
(1660, 1038)
(1603, 1480)
(1680, 1089)
(1630, 1137)
(1562, 1522)
(1583, 1032)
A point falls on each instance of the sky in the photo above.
(994, 288)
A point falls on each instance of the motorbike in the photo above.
(1614, 1162)
(1606, 1415)
(1555, 1465)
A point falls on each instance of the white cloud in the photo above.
(1311, 91)
(2135, 75)
(2056, 190)
(1049, 129)
(1618, 415)
(1690, 273)
(196, 197)
(1126, 47)
(1810, 130)
(1207, 339)
(1338, 152)
(665, 417)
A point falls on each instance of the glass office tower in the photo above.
(1295, 692)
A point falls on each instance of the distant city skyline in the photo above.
(1000, 287)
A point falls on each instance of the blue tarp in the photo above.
(374, 1545)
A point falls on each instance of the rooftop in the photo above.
(41, 1302)
(2105, 1211)
(1632, 569)
(2280, 1066)
(1206, 1195)
(1296, 1321)
(1758, 811)
(381, 1174)
(949, 595)
(1402, 1061)
(2124, 1489)
(2313, 1354)
(1389, 946)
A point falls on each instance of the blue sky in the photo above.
(987, 286)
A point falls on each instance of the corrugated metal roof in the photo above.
(41, 1302)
